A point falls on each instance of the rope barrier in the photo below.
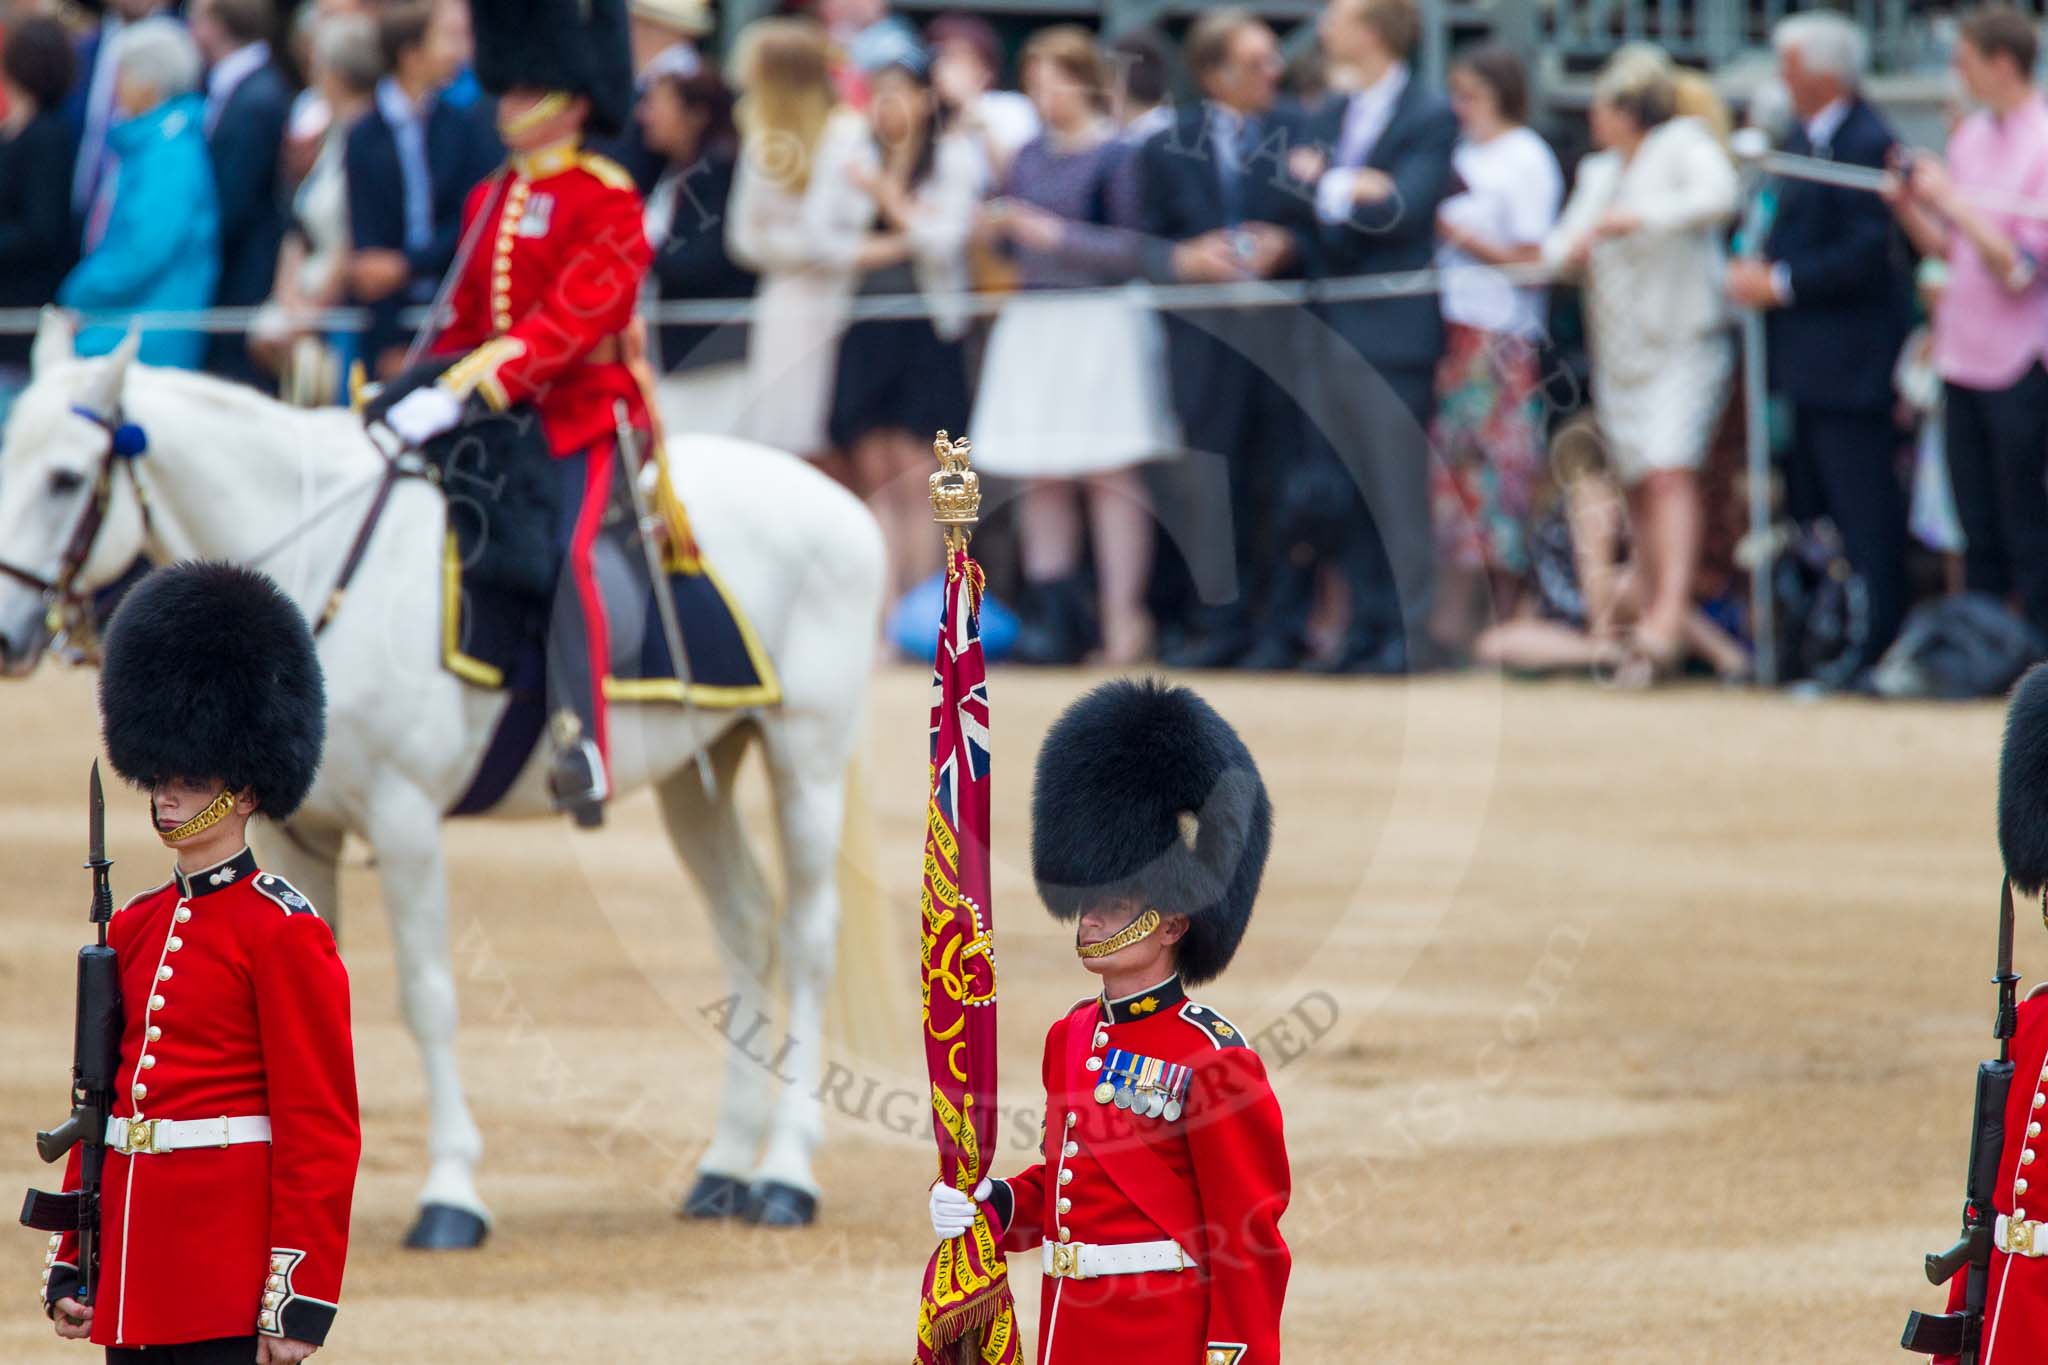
(1168, 298)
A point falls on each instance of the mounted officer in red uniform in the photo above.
(1155, 1205)
(542, 303)
(233, 1135)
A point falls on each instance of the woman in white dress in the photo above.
(1073, 394)
(799, 218)
(345, 64)
(1643, 231)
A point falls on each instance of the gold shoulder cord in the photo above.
(215, 812)
(1123, 938)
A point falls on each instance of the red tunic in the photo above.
(1215, 1180)
(234, 1004)
(2016, 1300)
(548, 287)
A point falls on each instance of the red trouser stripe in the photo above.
(597, 487)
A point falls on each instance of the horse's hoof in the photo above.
(775, 1205)
(443, 1227)
(714, 1196)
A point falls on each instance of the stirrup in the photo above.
(576, 780)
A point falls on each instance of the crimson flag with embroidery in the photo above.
(966, 1298)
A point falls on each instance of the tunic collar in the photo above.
(221, 875)
(1146, 1003)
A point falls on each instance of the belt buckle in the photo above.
(2019, 1237)
(1066, 1261)
(141, 1137)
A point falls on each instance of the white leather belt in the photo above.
(1085, 1261)
(145, 1136)
(2019, 1237)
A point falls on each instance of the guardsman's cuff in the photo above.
(478, 375)
(1004, 1203)
(287, 1313)
(60, 1278)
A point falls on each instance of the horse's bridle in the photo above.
(63, 604)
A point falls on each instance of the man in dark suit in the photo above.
(411, 162)
(247, 103)
(1381, 168)
(1217, 204)
(1835, 278)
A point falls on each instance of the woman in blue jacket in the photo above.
(152, 236)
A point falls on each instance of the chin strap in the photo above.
(1137, 929)
(215, 812)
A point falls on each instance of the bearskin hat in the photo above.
(2023, 784)
(1144, 793)
(579, 46)
(210, 673)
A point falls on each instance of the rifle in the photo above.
(95, 1054)
(1957, 1333)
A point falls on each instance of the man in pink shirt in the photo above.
(1991, 330)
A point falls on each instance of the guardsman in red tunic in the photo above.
(234, 1133)
(2015, 1326)
(1155, 1205)
(541, 310)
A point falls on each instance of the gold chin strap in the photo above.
(1141, 927)
(215, 812)
(544, 108)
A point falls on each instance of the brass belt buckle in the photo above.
(2019, 1237)
(141, 1136)
(1066, 1261)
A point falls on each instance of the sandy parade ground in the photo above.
(1604, 1025)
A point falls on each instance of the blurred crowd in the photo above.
(1377, 480)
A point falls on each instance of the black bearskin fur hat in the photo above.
(579, 46)
(2023, 784)
(1144, 793)
(210, 673)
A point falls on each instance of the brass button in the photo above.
(184, 913)
(156, 1002)
(154, 1033)
(1071, 1148)
(147, 1061)
(139, 1090)
(1093, 1063)
(2018, 1186)
(274, 1282)
(163, 973)
(175, 943)
(1066, 1205)
(1066, 1176)
(1101, 1037)
(1066, 1236)
(1072, 1118)
(2027, 1157)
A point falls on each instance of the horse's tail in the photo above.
(868, 1014)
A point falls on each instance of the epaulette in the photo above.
(1220, 1031)
(608, 172)
(285, 894)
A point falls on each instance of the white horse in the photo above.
(229, 474)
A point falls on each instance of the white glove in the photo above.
(424, 413)
(952, 1211)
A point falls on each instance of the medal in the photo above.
(1155, 1103)
(1172, 1110)
(1123, 1097)
(1103, 1092)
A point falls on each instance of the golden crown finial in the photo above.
(955, 489)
